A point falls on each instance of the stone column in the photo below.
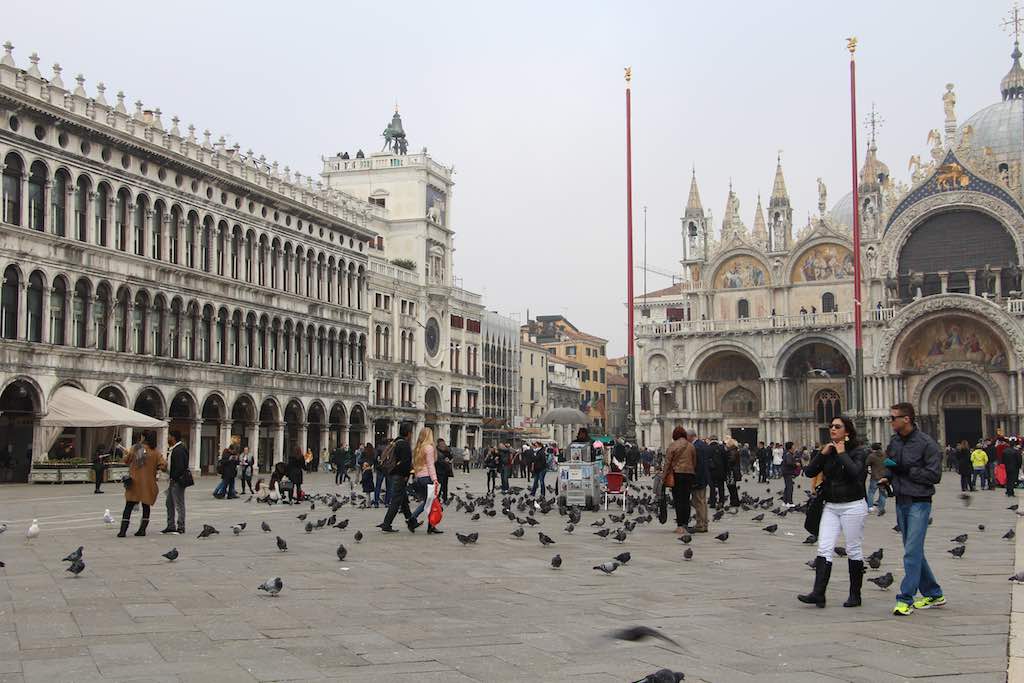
(325, 435)
(971, 280)
(223, 436)
(194, 445)
(277, 454)
(304, 437)
(22, 309)
(23, 205)
(999, 282)
(44, 335)
(252, 435)
(165, 238)
(944, 277)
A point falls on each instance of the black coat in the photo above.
(719, 462)
(702, 465)
(1011, 460)
(844, 473)
(296, 465)
(963, 461)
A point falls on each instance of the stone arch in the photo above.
(32, 388)
(657, 367)
(790, 348)
(21, 404)
(357, 424)
(1007, 330)
(797, 260)
(337, 421)
(899, 229)
(729, 345)
(932, 394)
(114, 393)
(711, 273)
(150, 398)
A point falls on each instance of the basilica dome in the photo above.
(841, 212)
(1000, 127)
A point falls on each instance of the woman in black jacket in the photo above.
(844, 465)
(963, 465)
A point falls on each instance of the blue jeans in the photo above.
(380, 478)
(913, 521)
(538, 479)
(225, 486)
(421, 490)
(872, 487)
(505, 472)
(983, 474)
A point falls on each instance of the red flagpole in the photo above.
(851, 45)
(630, 416)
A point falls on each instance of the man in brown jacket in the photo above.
(680, 459)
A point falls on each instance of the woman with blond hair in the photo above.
(424, 457)
(143, 461)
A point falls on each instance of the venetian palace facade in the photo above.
(756, 342)
(155, 267)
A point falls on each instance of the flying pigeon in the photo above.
(883, 581)
(556, 561)
(358, 536)
(544, 539)
(107, 517)
(623, 558)
(608, 567)
(207, 531)
(265, 527)
(281, 545)
(637, 633)
(688, 554)
(957, 551)
(32, 531)
(467, 539)
(518, 533)
(771, 528)
(342, 552)
(272, 586)
(723, 537)
(171, 554)
(76, 567)
(962, 538)
(75, 556)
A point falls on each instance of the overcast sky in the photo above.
(526, 100)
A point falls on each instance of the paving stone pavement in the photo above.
(423, 608)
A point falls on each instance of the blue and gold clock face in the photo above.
(433, 336)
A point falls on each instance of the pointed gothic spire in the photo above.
(693, 205)
(731, 222)
(779, 194)
(1012, 85)
(760, 231)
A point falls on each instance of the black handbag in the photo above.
(815, 508)
(127, 481)
(186, 479)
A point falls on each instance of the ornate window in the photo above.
(827, 406)
(743, 308)
(828, 302)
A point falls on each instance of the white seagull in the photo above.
(107, 517)
(33, 530)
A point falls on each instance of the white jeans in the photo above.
(848, 517)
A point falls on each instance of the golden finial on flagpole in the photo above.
(851, 45)
(629, 74)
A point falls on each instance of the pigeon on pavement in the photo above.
(663, 676)
(171, 554)
(607, 567)
(962, 538)
(544, 539)
(342, 552)
(810, 540)
(1009, 534)
(207, 531)
(686, 538)
(358, 536)
(518, 533)
(623, 558)
(688, 554)
(603, 533)
(281, 545)
(771, 528)
(723, 537)
(1018, 577)
(265, 527)
(957, 551)
(272, 586)
(556, 561)
(883, 581)
(76, 567)
(467, 539)
(75, 556)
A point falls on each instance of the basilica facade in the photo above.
(757, 340)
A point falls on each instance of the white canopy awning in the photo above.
(72, 407)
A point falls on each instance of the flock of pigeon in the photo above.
(521, 509)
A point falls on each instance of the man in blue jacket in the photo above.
(915, 462)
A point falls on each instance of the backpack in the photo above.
(388, 459)
(552, 463)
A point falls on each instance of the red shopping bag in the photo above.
(436, 513)
(1000, 474)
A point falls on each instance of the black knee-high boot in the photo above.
(822, 572)
(856, 581)
(126, 518)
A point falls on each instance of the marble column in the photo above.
(44, 335)
(22, 328)
(223, 436)
(944, 278)
(195, 438)
(971, 280)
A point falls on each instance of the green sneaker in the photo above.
(928, 603)
(902, 609)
